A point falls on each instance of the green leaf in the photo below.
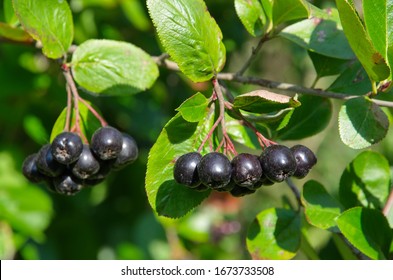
(49, 22)
(135, 13)
(372, 61)
(166, 197)
(35, 129)
(194, 108)
(277, 121)
(389, 26)
(88, 122)
(353, 80)
(368, 230)
(14, 33)
(9, 14)
(274, 234)
(307, 120)
(378, 18)
(327, 66)
(240, 133)
(263, 101)
(320, 207)
(110, 67)
(252, 16)
(25, 207)
(7, 246)
(322, 34)
(279, 11)
(365, 181)
(190, 36)
(362, 123)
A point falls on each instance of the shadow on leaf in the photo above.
(174, 200)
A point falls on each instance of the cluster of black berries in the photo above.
(245, 173)
(67, 165)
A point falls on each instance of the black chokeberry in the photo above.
(66, 147)
(30, 169)
(215, 170)
(104, 170)
(107, 142)
(246, 170)
(201, 188)
(185, 170)
(46, 163)
(128, 153)
(266, 181)
(67, 184)
(86, 165)
(239, 191)
(305, 160)
(278, 163)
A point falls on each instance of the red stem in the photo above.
(93, 111)
(74, 91)
(68, 116)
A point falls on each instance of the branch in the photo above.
(353, 249)
(233, 77)
(295, 191)
(253, 55)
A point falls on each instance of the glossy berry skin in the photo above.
(86, 165)
(246, 170)
(305, 160)
(67, 184)
(46, 163)
(185, 169)
(66, 147)
(215, 170)
(278, 163)
(104, 170)
(30, 169)
(128, 153)
(107, 142)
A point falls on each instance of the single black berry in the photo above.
(107, 142)
(46, 163)
(227, 188)
(246, 170)
(86, 165)
(239, 191)
(67, 184)
(66, 147)
(215, 170)
(128, 153)
(201, 188)
(266, 181)
(30, 169)
(278, 163)
(305, 160)
(104, 170)
(185, 170)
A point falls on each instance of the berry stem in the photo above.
(295, 191)
(75, 94)
(228, 145)
(69, 108)
(209, 135)
(93, 111)
(263, 141)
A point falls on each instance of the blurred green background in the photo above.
(114, 220)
